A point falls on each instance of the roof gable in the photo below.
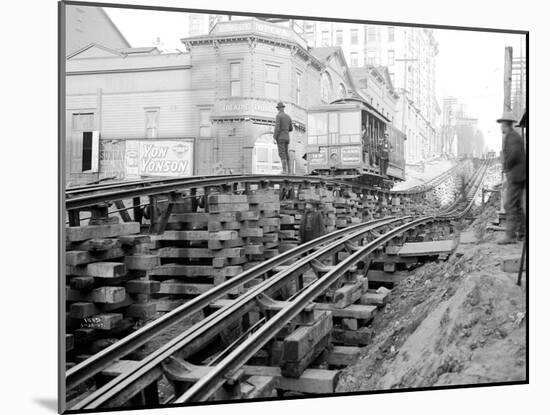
(94, 50)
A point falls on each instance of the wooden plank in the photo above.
(97, 244)
(82, 310)
(142, 286)
(343, 355)
(360, 337)
(81, 233)
(142, 262)
(106, 269)
(299, 342)
(259, 387)
(107, 295)
(195, 270)
(143, 311)
(175, 287)
(385, 277)
(427, 248)
(228, 207)
(312, 381)
(171, 252)
(347, 295)
(227, 199)
(294, 369)
(359, 311)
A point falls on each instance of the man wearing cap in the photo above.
(514, 166)
(283, 126)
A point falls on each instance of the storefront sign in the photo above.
(159, 158)
(248, 107)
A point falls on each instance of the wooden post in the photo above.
(507, 106)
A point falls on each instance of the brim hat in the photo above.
(507, 116)
(280, 105)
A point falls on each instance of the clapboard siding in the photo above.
(123, 115)
(80, 102)
(130, 81)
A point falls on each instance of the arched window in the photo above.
(326, 87)
(342, 91)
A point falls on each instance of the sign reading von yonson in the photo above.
(159, 158)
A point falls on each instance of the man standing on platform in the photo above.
(283, 126)
(515, 168)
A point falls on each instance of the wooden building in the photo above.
(212, 107)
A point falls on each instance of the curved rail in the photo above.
(101, 360)
(108, 394)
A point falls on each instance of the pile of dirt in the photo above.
(456, 322)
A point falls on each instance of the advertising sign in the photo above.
(159, 158)
(111, 158)
(351, 154)
(319, 158)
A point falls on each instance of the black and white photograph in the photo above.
(268, 207)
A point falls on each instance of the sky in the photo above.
(469, 66)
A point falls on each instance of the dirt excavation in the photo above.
(456, 322)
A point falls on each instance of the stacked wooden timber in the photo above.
(205, 251)
(349, 209)
(265, 209)
(108, 289)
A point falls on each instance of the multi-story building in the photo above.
(139, 112)
(409, 54)
(518, 85)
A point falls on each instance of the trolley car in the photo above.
(345, 137)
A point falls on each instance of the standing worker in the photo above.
(384, 149)
(312, 223)
(515, 167)
(283, 126)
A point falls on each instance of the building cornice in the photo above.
(126, 70)
(217, 41)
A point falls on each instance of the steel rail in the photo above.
(461, 207)
(102, 359)
(107, 394)
(209, 383)
(87, 196)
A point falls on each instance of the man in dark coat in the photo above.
(384, 153)
(515, 167)
(283, 126)
(312, 224)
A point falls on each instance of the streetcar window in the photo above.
(318, 128)
(350, 123)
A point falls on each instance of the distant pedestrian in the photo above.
(312, 224)
(515, 168)
(283, 126)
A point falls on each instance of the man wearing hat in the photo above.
(384, 154)
(283, 126)
(515, 167)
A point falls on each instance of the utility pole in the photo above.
(507, 107)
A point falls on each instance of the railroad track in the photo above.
(359, 241)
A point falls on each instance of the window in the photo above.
(298, 87)
(326, 87)
(371, 57)
(354, 36)
(151, 123)
(371, 34)
(391, 34)
(272, 87)
(391, 57)
(205, 129)
(235, 79)
(262, 154)
(342, 92)
(339, 37)
(324, 38)
(354, 62)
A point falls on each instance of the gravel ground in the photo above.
(457, 322)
